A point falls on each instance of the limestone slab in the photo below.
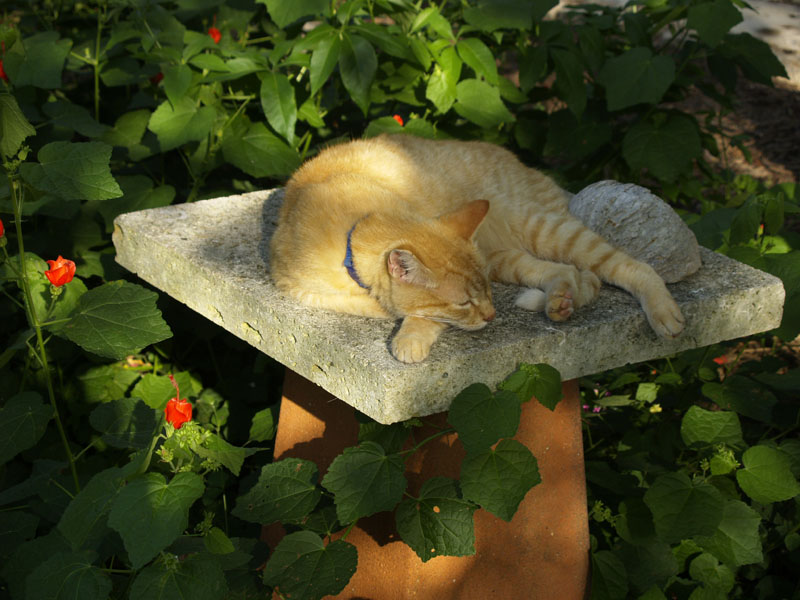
(212, 256)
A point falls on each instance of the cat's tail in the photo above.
(531, 299)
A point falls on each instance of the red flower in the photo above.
(215, 34)
(177, 411)
(721, 360)
(399, 119)
(156, 79)
(61, 271)
(2, 229)
(3, 75)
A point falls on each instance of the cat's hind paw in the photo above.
(560, 304)
(666, 319)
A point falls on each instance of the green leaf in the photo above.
(479, 102)
(575, 139)
(183, 122)
(85, 521)
(736, 541)
(682, 508)
(701, 426)
(23, 421)
(286, 491)
(441, 89)
(634, 524)
(357, 67)
(277, 100)
(649, 564)
(499, 478)
(37, 60)
(16, 527)
(666, 148)
(116, 319)
(263, 426)
(481, 418)
(540, 381)
(177, 81)
(196, 577)
(766, 475)
(438, 523)
(324, 59)
(746, 222)
(479, 58)
(754, 57)
(128, 131)
(210, 62)
(533, 67)
(285, 13)
(14, 127)
(258, 152)
(706, 569)
(302, 567)
(431, 17)
(391, 40)
(150, 513)
(569, 80)
(228, 455)
(72, 116)
(390, 437)
(774, 213)
(490, 15)
(217, 542)
(712, 20)
(125, 423)
(743, 396)
(106, 383)
(609, 579)
(138, 194)
(636, 77)
(364, 481)
(73, 171)
(66, 576)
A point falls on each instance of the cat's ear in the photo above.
(406, 267)
(464, 221)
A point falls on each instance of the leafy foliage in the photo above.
(110, 107)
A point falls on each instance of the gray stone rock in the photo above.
(640, 223)
(212, 255)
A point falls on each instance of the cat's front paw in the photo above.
(410, 349)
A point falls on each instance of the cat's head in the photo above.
(438, 272)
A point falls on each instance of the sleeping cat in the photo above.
(405, 227)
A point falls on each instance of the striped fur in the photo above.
(431, 222)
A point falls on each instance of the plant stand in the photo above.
(542, 553)
(213, 256)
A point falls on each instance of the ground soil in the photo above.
(770, 118)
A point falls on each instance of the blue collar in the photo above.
(348, 259)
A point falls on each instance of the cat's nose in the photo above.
(489, 316)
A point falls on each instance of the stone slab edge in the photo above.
(212, 256)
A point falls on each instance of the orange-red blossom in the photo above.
(61, 271)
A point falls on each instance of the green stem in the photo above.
(54, 322)
(149, 457)
(348, 530)
(120, 571)
(430, 438)
(96, 64)
(32, 320)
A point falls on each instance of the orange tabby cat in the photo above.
(404, 227)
